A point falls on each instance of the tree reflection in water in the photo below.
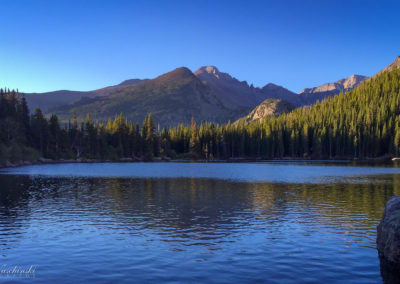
(183, 212)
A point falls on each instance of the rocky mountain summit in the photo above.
(341, 85)
(235, 93)
(395, 64)
(311, 95)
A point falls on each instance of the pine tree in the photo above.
(194, 142)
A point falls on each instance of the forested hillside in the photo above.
(361, 123)
(364, 122)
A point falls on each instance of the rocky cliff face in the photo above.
(230, 91)
(234, 93)
(267, 108)
(336, 87)
(309, 96)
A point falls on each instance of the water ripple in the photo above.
(192, 230)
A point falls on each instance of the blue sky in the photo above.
(84, 45)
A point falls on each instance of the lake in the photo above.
(194, 222)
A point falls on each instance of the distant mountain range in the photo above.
(179, 95)
(307, 96)
(176, 97)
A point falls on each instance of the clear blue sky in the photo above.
(84, 45)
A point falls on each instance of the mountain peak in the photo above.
(211, 73)
(177, 74)
(211, 69)
(351, 82)
(336, 87)
(355, 76)
(271, 86)
(208, 69)
(181, 71)
(395, 64)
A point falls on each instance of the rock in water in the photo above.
(388, 237)
(390, 272)
(388, 241)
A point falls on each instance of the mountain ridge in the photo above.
(174, 97)
(311, 95)
(48, 100)
(338, 86)
(234, 91)
(222, 96)
(394, 65)
(177, 96)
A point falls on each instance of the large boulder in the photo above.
(388, 241)
(388, 237)
(390, 271)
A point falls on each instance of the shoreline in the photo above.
(43, 161)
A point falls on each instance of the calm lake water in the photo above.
(194, 222)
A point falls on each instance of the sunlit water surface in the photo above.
(188, 222)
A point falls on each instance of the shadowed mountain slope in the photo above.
(234, 93)
(176, 97)
(48, 100)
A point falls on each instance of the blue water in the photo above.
(184, 222)
(246, 172)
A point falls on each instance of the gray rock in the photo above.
(345, 84)
(388, 236)
(390, 271)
